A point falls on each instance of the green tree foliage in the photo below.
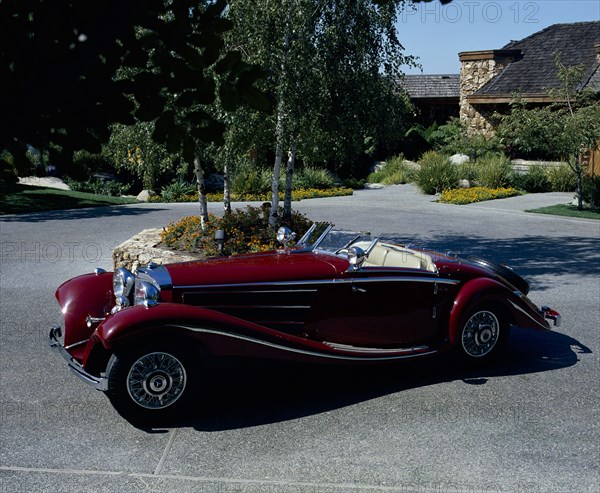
(562, 130)
(131, 147)
(72, 69)
(331, 66)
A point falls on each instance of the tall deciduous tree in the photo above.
(332, 66)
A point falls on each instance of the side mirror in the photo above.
(356, 257)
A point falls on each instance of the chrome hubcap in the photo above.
(156, 380)
(480, 334)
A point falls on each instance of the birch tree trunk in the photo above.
(277, 166)
(226, 190)
(201, 191)
(289, 174)
(280, 126)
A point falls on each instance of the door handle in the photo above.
(356, 289)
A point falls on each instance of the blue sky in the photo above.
(437, 33)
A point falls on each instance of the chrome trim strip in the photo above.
(347, 347)
(76, 344)
(301, 351)
(254, 291)
(432, 279)
(266, 284)
(259, 307)
(525, 313)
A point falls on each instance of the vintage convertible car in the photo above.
(142, 337)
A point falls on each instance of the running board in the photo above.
(372, 350)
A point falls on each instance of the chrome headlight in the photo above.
(285, 235)
(146, 294)
(123, 281)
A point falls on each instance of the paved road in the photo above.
(528, 424)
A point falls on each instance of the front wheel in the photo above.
(484, 334)
(150, 384)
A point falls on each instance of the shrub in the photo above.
(176, 191)
(590, 190)
(395, 172)
(311, 177)
(436, 173)
(247, 230)
(463, 196)
(467, 171)
(250, 180)
(562, 178)
(354, 183)
(493, 171)
(453, 138)
(534, 181)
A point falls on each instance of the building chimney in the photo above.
(477, 68)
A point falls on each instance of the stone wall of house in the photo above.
(476, 70)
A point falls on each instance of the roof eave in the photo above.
(509, 98)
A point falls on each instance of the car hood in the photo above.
(269, 267)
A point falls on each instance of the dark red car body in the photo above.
(298, 304)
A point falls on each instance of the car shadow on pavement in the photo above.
(254, 396)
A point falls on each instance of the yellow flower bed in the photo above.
(301, 194)
(461, 196)
(247, 230)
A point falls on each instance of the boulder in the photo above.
(459, 159)
(145, 195)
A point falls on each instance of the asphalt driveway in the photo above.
(527, 424)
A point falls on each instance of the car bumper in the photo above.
(55, 341)
(550, 314)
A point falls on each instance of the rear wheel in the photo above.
(484, 334)
(150, 384)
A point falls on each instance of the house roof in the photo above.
(535, 71)
(431, 87)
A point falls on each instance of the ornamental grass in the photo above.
(462, 196)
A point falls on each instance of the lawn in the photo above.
(23, 198)
(568, 211)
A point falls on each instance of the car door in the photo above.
(384, 308)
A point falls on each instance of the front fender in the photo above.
(83, 296)
(219, 333)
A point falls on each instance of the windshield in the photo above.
(324, 237)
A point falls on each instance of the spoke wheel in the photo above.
(156, 380)
(480, 334)
(484, 334)
(153, 383)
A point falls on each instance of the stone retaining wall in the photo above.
(145, 247)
